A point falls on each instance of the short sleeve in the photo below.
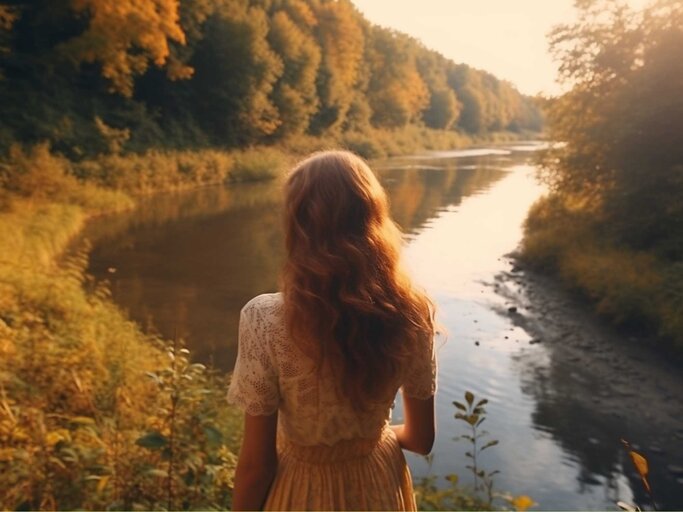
(254, 383)
(420, 376)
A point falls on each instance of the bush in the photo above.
(258, 164)
(94, 414)
(632, 288)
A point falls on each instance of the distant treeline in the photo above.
(101, 76)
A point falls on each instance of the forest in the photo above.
(94, 77)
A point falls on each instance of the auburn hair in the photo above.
(348, 303)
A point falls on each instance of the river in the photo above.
(184, 264)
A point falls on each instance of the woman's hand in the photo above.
(257, 463)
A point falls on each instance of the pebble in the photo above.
(512, 309)
(593, 441)
(534, 341)
(655, 449)
(476, 343)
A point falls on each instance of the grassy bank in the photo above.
(94, 413)
(636, 290)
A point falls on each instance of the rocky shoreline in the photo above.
(610, 385)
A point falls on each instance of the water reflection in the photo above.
(184, 264)
(588, 403)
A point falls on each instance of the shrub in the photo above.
(258, 164)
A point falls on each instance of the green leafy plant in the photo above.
(474, 415)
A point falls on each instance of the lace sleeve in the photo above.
(420, 379)
(254, 382)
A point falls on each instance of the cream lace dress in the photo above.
(329, 456)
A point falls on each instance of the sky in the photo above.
(504, 37)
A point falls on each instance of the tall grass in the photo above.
(632, 288)
(81, 386)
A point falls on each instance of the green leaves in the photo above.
(469, 397)
(152, 441)
(473, 414)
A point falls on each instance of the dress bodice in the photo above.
(272, 374)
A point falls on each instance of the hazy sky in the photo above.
(504, 37)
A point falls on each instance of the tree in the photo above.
(295, 93)
(125, 36)
(396, 92)
(235, 73)
(444, 108)
(622, 120)
(340, 37)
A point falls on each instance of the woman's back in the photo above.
(272, 373)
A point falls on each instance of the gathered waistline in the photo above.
(339, 452)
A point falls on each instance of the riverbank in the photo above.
(578, 366)
(94, 413)
(639, 290)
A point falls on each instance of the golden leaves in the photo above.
(640, 463)
(522, 502)
(123, 36)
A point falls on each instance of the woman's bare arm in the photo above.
(257, 462)
(417, 433)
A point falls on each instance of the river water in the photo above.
(184, 264)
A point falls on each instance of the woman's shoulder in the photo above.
(264, 301)
(264, 306)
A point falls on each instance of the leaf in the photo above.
(152, 440)
(460, 406)
(469, 397)
(640, 463)
(82, 420)
(102, 483)
(154, 377)
(522, 502)
(469, 454)
(55, 436)
(482, 402)
(58, 462)
(481, 420)
(160, 473)
(489, 444)
(452, 478)
(472, 420)
(213, 435)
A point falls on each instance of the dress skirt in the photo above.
(359, 474)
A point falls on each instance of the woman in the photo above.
(319, 364)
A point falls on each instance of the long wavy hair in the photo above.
(348, 303)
